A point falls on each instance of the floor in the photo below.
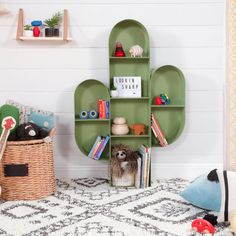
(91, 207)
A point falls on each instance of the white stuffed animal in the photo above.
(136, 51)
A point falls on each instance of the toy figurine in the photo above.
(136, 51)
(203, 226)
(119, 52)
(158, 100)
(163, 99)
(123, 165)
(36, 30)
(138, 129)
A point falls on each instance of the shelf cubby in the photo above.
(171, 122)
(168, 79)
(131, 68)
(86, 134)
(134, 111)
(129, 32)
(132, 142)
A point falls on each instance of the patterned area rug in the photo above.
(91, 207)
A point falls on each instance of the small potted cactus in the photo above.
(52, 25)
(28, 32)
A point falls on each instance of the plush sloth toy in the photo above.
(123, 160)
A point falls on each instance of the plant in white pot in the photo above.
(114, 91)
(28, 32)
(52, 25)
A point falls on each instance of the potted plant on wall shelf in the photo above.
(28, 32)
(52, 25)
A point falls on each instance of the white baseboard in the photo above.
(159, 170)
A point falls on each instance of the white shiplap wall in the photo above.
(186, 33)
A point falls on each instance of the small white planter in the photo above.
(28, 33)
(114, 93)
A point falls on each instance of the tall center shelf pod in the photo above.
(135, 109)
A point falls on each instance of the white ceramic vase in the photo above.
(119, 129)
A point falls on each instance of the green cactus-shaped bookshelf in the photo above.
(167, 79)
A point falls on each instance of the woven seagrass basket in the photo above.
(27, 170)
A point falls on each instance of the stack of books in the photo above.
(98, 147)
(156, 129)
(142, 176)
(103, 109)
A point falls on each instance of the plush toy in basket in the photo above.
(27, 165)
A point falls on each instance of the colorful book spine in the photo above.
(100, 108)
(107, 109)
(103, 109)
(103, 147)
(94, 146)
(99, 147)
(158, 132)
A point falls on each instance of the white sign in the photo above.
(128, 86)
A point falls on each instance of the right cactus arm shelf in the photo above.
(171, 118)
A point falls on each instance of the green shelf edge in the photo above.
(167, 106)
(129, 98)
(129, 58)
(130, 136)
(92, 120)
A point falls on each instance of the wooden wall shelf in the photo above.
(23, 38)
(20, 30)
